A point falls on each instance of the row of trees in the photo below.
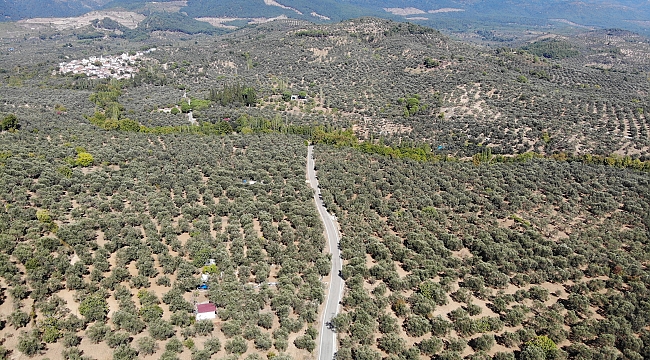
(139, 221)
(234, 95)
(478, 256)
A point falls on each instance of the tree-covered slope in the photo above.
(176, 22)
(453, 15)
(298, 9)
(410, 83)
(21, 9)
(388, 81)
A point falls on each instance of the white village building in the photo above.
(206, 311)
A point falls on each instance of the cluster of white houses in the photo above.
(118, 67)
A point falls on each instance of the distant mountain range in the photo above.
(24, 9)
(444, 14)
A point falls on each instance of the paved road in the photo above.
(327, 341)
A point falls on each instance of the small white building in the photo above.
(206, 311)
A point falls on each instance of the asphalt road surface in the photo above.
(327, 341)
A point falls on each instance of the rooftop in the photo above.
(205, 308)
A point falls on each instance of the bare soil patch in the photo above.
(126, 18)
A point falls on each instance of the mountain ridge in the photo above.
(456, 15)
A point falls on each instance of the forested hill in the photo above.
(21, 9)
(318, 11)
(452, 14)
(455, 15)
(401, 83)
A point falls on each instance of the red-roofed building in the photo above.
(206, 311)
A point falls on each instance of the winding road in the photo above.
(327, 340)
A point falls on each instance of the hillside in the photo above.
(22, 9)
(451, 15)
(492, 200)
(403, 83)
